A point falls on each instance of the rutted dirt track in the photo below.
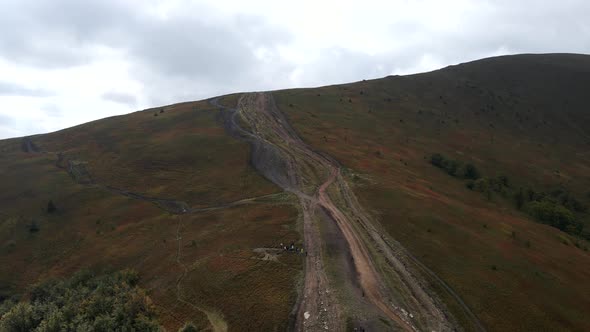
(282, 157)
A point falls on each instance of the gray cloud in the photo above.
(52, 110)
(120, 97)
(196, 50)
(12, 89)
(6, 120)
(54, 34)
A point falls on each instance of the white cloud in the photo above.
(71, 61)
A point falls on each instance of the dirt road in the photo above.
(282, 157)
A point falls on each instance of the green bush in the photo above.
(85, 302)
(437, 160)
(470, 172)
(555, 215)
(449, 165)
(19, 318)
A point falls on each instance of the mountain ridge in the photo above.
(495, 114)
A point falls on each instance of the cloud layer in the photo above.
(64, 62)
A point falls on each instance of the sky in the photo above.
(66, 62)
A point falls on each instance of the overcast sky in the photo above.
(65, 62)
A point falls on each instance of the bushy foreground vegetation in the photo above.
(454, 167)
(85, 302)
(557, 208)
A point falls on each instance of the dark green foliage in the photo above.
(6, 305)
(530, 194)
(566, 199)
(188, 327)
(470, 172)
(455, 167)
(556, 208)
(503, 180)
(51, 207)
(489, 186)
(555, 215)
(84, 302)
(21, 318)
(449, 165)
(437, 160)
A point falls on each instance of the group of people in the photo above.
(292, 248)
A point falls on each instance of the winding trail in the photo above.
(280, 155)
(393, 283)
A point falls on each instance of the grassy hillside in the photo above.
(197, 267)
(168, 193)
(525, 119)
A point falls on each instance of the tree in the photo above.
(437, 160)
(555, 215)
(470, 172)
(452, 166)
(19, 319)
(85, 302)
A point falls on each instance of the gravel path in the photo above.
(280, 155)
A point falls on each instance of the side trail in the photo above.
(391, 285)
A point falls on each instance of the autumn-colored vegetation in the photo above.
(523, 119)
(198, 267)
(506, 231)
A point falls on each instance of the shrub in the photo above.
(555, 215)
(470, 172)
(437, 160)
(19, 318)
(6, 305)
